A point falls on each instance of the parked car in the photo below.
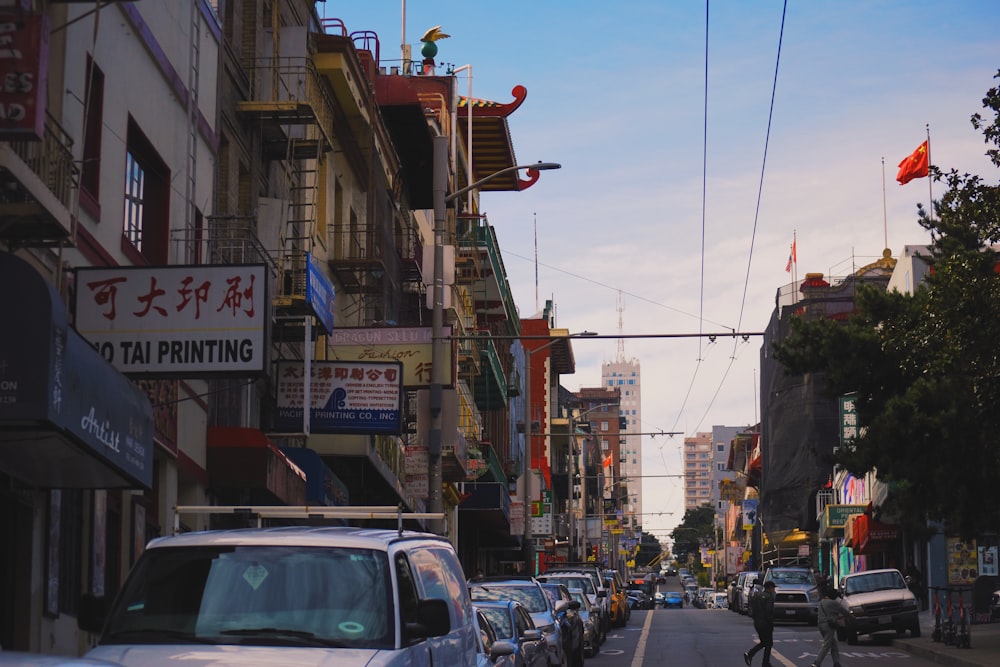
(719, 601)
(513, 624)
(796, 593)
(292, 595)
(598, 599)
(568, 615)
(529, 592)
(492, 651)
(601, 597)
(27, 659)
(619, 603)
(673, 599)
(588, 614)
(746, 584)
(878, 600)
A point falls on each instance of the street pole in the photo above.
(440, 198)
(434, 478)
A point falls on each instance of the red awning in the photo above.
(869, 535)
(245, 458)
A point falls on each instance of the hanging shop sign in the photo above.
(344, 397)
(412, 346)
(24, 63)
(184, 321)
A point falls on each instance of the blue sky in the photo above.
(673, 207)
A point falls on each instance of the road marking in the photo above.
(640, 649)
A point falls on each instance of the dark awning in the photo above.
(68, 419)
(245, 461)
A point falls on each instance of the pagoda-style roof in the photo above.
(406, 101)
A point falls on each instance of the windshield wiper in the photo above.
(156, 635)
(305, 637)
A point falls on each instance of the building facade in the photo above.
(198, 265)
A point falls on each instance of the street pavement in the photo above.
(984, 651)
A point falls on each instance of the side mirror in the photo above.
(531, 635)
(500, 648)
(433, 620)
(92, 613)
(561, 606)
(602, 593)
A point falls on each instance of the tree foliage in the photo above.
(698, 525)
(649, 551)
(924, 368)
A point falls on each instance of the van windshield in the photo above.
(260, 595)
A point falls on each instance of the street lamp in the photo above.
(526, 546)
(441, 199)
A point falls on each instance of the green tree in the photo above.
(924, 368)
(649, 551)
(697, 527)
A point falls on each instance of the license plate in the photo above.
(790, 611)
(885, 620)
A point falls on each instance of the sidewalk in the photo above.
(985, 650)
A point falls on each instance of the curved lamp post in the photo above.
(441, 199)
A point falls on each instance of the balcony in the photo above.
(480, 265)
(38, 184)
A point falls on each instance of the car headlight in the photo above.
(910, 604)
(857, 610)
(814, 595)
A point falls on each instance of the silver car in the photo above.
(291, 596)
(796, 593)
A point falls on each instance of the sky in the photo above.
(697, 141)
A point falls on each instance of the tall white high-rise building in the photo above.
(624, 376)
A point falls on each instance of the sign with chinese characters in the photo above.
(409, 345)
(185, 321)
(344, 397)
(848, 420)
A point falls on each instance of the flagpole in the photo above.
(885, 219)
(795, 263)
(930, 193)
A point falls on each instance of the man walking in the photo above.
(762, 610)
(830, 612)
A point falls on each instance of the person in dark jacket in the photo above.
(762, 610)
(831, 610)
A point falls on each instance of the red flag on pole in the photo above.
(913, 165)
(791, 259)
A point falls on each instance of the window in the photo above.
(90, 170)
(147, 201)
(720, 447)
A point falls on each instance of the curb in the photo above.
(941, 657)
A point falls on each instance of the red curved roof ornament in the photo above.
(487, 108)
(525, 183)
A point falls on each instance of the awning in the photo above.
(323, 487)
(68, 419)
(484, 515)
(246, 467)
(869, 535)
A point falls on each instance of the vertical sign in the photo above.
(848, 420)
(24, 56)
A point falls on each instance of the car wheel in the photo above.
(852, 638)
(578, 661)
(915, 631)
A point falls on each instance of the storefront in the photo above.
(68, 421)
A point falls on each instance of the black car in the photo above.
(571, 625)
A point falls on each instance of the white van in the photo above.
(291, 596)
